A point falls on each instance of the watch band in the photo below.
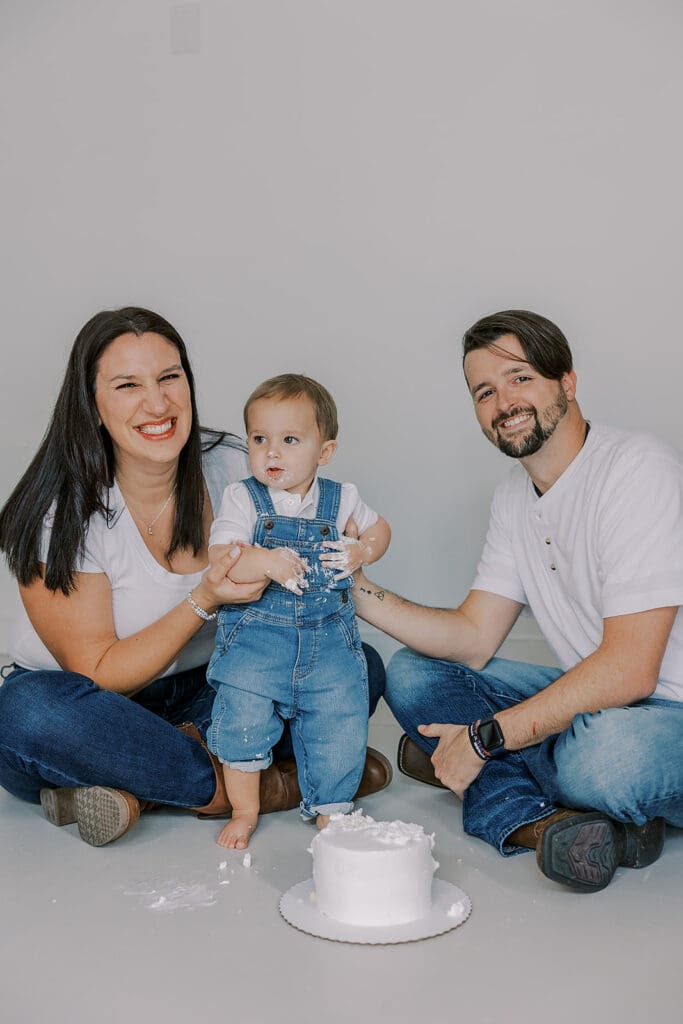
(477, 745)
(486, 737)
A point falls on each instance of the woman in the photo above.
(106, 703)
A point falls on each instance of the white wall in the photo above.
(341, 187)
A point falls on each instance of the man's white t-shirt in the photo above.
(142, 590)
(605, 540)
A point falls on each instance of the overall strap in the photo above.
(329, 496)
(258, 493)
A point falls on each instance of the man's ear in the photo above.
(326, 452)
(569, 385)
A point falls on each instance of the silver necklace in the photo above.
(161, 511)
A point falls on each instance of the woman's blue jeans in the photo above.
(626, 762)
(60, 729)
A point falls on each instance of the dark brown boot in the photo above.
(583, 849)
(377, 773)
(102, 814)
(414, 762)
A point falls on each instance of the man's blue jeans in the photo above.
(59, 729)
(626, 762)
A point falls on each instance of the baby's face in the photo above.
(285, 446)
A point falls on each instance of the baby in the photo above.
(296, 654)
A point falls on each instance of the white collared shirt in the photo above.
(237, 515)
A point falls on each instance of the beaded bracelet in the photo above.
(477, 746)
(198, 610)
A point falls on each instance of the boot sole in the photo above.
(584, 851)
(102, 814)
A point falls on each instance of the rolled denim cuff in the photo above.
(259, 765)
(311, 812)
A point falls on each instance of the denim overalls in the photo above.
(298, 658)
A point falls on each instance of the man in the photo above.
(583, 763)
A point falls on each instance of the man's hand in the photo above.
(455, 762)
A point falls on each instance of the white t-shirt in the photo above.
(237, 515)
(142, 590)
(605, 540)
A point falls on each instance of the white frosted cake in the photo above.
(372, 873)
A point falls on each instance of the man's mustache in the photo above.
(518, 411)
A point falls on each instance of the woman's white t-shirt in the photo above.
(142, 590)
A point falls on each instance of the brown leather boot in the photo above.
(102, 814)
(279, 784)
(377, 773)
(529, 836)
(414, 762)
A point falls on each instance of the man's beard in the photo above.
(535, 436)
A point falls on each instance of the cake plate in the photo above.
(450, 907)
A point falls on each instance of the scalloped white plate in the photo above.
(450, 907)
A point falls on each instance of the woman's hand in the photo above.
(216, 588)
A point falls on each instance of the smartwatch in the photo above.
(486, 737)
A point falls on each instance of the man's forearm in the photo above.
(469, 634)
(623, 670)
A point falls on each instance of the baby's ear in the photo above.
(326, 452)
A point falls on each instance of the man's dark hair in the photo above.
(544, 345)
(74, 465)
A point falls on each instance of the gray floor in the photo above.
(164, 925)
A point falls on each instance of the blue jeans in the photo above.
(626, 762)
(60, 729)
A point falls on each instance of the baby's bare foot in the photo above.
(237, 833)
(322, 820)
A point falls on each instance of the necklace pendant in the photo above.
(149, 530)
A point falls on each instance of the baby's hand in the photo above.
(344, 556)
(285, 567)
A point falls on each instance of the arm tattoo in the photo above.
(379, 594)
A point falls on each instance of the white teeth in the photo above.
(156, 428)
(516, 420)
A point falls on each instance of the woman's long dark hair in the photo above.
(74, 465)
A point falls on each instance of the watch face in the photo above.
(491, 735)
